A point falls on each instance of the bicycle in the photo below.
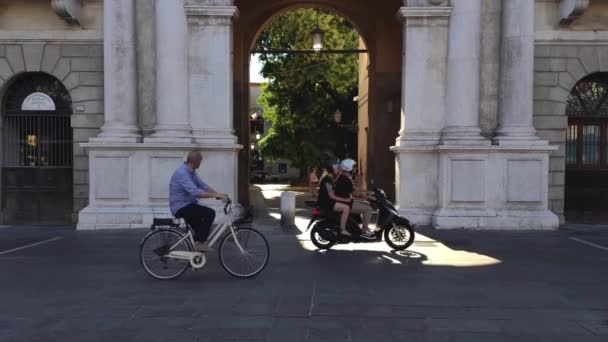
(176, 248)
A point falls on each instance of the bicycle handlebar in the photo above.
(228, 203)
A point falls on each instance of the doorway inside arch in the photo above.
(308, 96)
(36, 152)
(586, 194)
(382, 34)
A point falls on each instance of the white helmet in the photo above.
(347, 165)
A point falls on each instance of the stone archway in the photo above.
(382, 34)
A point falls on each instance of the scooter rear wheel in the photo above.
(316, 236)
(399, 236)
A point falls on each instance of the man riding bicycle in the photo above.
(185, 189)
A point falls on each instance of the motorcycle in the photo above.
(397, 231)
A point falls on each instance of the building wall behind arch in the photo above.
(80, 68)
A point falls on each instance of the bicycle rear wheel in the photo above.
(249, 261)
(154, 251)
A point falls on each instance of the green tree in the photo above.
(305, 90)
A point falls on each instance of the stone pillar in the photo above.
(172, 124)
(462, 122)
(146, 64)
(211, 81)
(515, 102)
(425, 64)
(120, 73)
(210, 31)
(423, 108)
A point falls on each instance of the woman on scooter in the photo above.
(345, 187)
(329, 202)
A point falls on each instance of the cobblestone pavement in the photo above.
(451, 286)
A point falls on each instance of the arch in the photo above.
(382, 35)
(291, 7)
(586, 150)
(37, 145)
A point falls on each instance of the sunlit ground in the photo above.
(430, 251)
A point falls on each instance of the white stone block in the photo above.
(50, 58)
(111, 178)
(33, 56)
(468, 180)
(87, 93)
(524, 180)
(5, 69)
(91, 78)
(71, 81)
(161, 170)
(14, 55)
(87, 64)
(62, 69)
(75, 50)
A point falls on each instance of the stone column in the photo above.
(462, 122)
(423, 108)
(146, 64)
(120, 73)
(172, 124)
(425, 64)
(515, 102)
(210, 31)
(211, 75)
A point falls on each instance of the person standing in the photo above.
(313, 181)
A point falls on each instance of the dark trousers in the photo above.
(200, 218)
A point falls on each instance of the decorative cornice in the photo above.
(51, 37)
(570, 10)
(68, 10)
(423, 12)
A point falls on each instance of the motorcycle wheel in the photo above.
(399, 236)
(317, 239)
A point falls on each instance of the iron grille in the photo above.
(589, 98)
(37, 139)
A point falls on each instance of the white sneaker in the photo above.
(201, 246)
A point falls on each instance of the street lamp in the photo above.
(258, 136)
(317, 39)
(338, 116)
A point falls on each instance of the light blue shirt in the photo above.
(185, 188)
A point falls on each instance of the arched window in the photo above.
(587, 110)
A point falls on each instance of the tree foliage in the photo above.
(305, 90)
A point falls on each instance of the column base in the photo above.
(129, 182)
(518, 137)
(118, 134)
(178, 134)
(475, 187)
(463, 136)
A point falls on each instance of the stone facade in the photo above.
(481, 85)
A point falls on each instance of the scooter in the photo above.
(397, 231)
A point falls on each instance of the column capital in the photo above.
(405, 13)
(199, 8)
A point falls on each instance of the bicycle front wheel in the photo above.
(154, 254)
(247, 258)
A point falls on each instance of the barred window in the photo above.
(586, 136)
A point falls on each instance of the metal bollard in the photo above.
(288, 209)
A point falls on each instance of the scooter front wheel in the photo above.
(316, 236)
(399, 236)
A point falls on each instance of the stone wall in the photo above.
(80, 68)
(558, 67)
